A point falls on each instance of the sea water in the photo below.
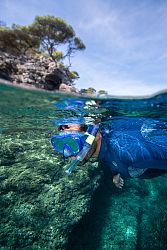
(43, 208)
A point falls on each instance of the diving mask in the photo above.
(68, 143)
(74, 143)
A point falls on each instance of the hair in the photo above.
(63, 127)
(60, 128)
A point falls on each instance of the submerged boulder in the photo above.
(132, 218)
(40, 203)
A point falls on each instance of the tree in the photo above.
(54, 32)
(102, 92)
(58, 55)
(74, 44)
(17, 40)
(90, 91)
(82, 91)
(73, 75)
(47, 34)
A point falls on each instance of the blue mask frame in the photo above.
(68, 143)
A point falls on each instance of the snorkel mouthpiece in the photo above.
(91, 132)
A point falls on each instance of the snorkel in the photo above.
(87, 146)
(74, 143)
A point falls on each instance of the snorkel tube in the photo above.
(91, 132)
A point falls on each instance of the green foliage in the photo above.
(46, 34)
(17, 40)
(73, 75)
(78, 43)
(54, 32)
(90, 91)
(102, 92)
(57, 55)
(82, 91)
(74, 45)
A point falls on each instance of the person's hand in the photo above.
(118, 181)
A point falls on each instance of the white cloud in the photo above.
(137, 32)
(128, 48)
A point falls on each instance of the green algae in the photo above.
(40, 203)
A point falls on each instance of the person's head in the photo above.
(73, 127)
(76, 139)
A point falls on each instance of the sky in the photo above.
(126, 40)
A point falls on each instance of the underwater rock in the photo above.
(40, 203)
(133, 218)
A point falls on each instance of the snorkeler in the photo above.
(129, 147)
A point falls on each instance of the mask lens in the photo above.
(68, 143)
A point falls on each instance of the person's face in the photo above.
(76, 127)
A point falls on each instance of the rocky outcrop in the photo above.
(40, 203)
(39, 71)
(7, 68)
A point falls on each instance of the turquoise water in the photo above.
(43, 208)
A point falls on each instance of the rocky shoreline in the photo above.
(36, 72)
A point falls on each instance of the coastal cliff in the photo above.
(38, 71)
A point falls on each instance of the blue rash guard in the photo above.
(134, 146)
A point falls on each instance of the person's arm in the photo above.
(118, 181)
